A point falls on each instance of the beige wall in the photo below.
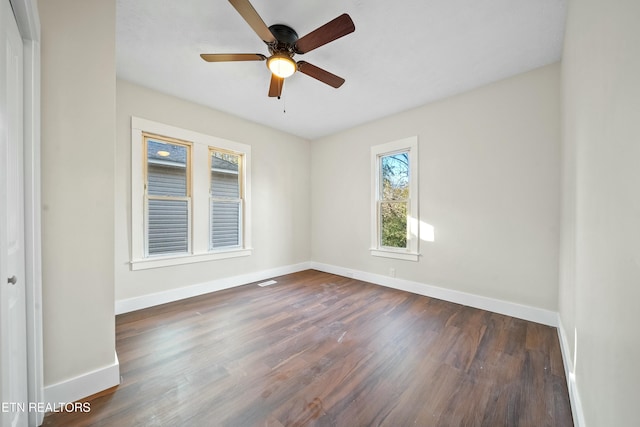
(280, 192)
(78, 133)
(489, 185)
(600, 280)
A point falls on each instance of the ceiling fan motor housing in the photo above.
(286, 39)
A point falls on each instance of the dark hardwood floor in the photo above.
(322, 350)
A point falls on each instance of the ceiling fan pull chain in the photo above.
(284, 104)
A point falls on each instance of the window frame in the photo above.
(199, 179)
(411, 252)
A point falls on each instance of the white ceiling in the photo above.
(403, 54)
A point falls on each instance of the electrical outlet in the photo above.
(392, 272)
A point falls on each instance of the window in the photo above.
(190, 196)
(167, 196)
(226, 201)
(394, 220)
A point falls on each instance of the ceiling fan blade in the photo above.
(320, 74)
(275, 88)
(332, 30)
(246, 10)
(225, 57)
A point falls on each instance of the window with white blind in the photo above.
(190, 196)
(225, 199)
(167, 196)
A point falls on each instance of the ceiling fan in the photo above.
(283, 43)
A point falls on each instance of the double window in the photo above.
(190, 196)
(394, 168)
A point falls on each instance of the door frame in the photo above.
(26, 13)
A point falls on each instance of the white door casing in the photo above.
(13, 330)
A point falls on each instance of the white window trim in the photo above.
(200, 223)
(411, 253)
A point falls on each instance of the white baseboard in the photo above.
(533, 314)
(574, 396)
(83, 385)
(171, 295)
(520, 311)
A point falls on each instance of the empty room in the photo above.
(319, 213)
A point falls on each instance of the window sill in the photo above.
(171, 260)
(407, 256)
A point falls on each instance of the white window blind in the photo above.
(225, 199)
(167, 199)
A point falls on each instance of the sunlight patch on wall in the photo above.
(427, 232)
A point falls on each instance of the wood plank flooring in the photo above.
(322, 350)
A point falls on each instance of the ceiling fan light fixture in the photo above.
(282, 65)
